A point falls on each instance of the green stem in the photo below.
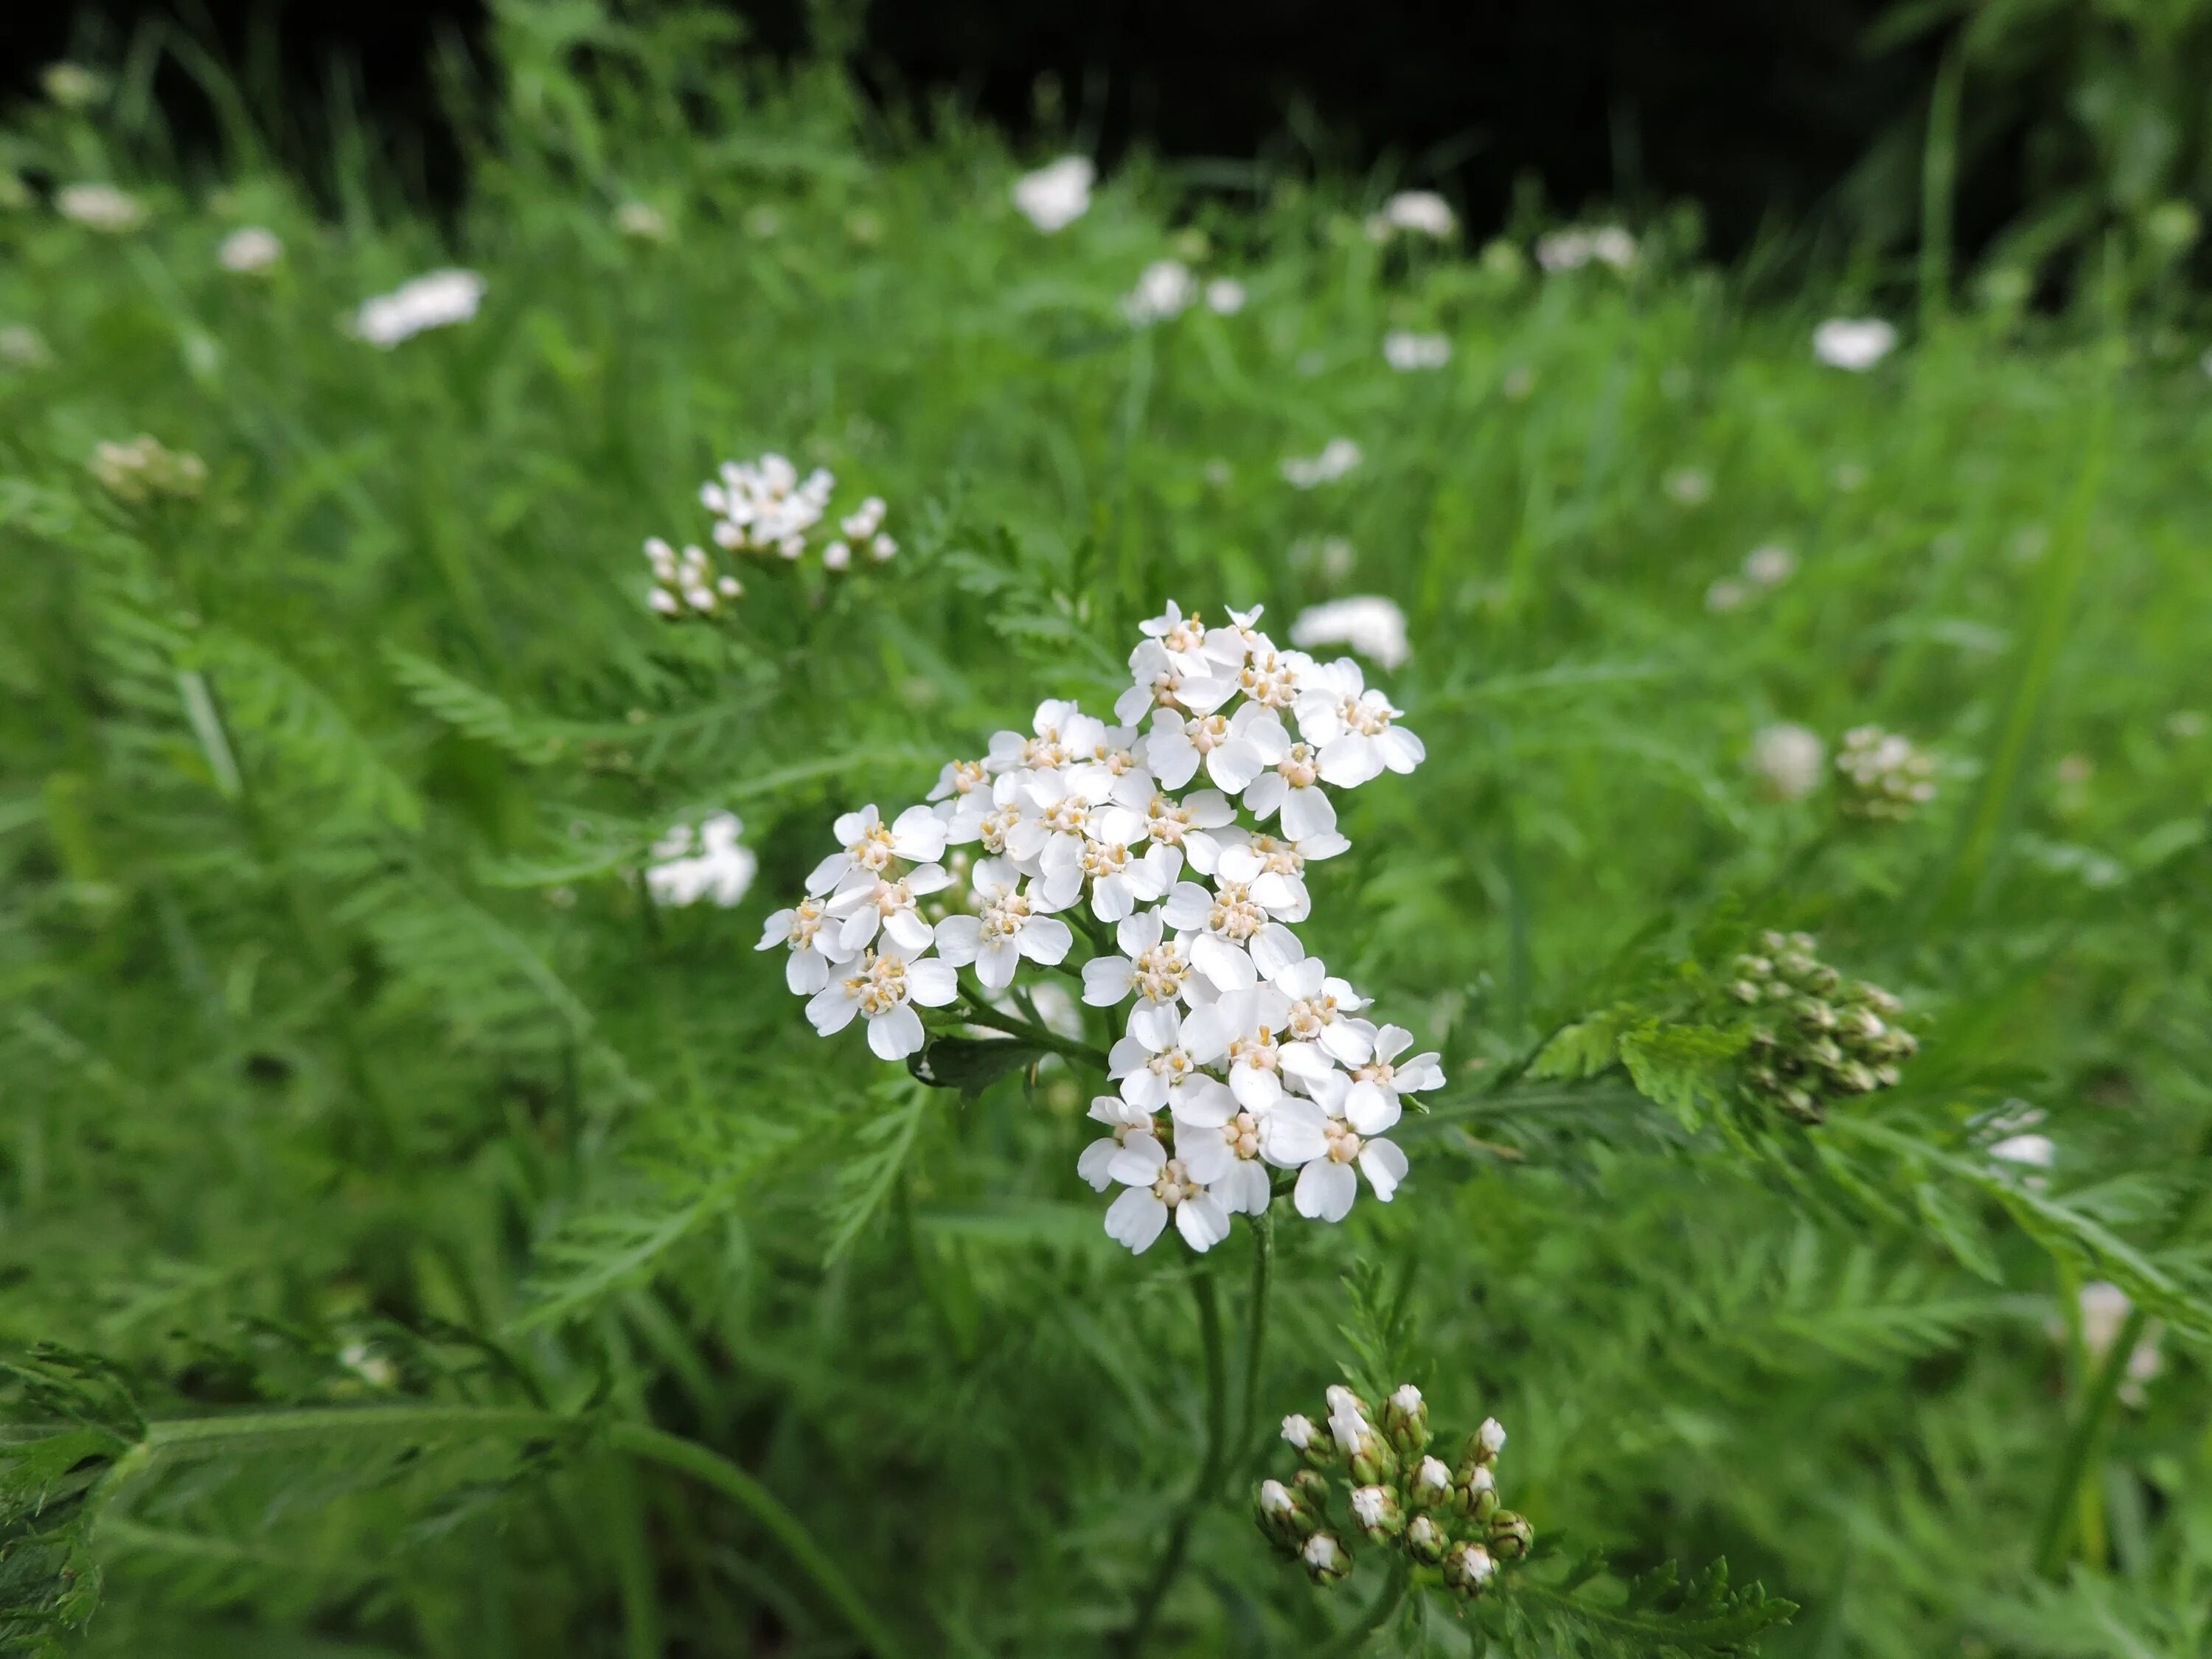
(1256, 1330)
(1387, 1603)
(211, 1437)
(1170, 1565)
(2085, 1440)
(981, 1013)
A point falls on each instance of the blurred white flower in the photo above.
(2036, 1151)
(1225, 296)
(1725, 595)
(641, 221)
(101, 208)
(709, 865)
(1789, 759)
(1337, 457)
(1165, 289)
(1580, 245)
(1423, 212)
(2104, 1309)
(1887, 775)
(1770, 566)
(1688, 486)
(250, 251)
(144, 469)
(764, 506)
(1056, 197)
(437, 300)
(1405, 351)
(1370, 624)
(1854, 343)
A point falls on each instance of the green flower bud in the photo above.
(1284, 1515)
(1406, 1421)
(1378, 1512)
(1426, 1540)
(1468, 1568)
(1510, 1535)
(1325, 1559)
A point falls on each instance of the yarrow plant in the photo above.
(765, 507)
(1443, 1518)
(1240, 1053)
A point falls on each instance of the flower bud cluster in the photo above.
(1885, 777)
(142, 470)
(1444, 1518)
(1817, 1035)
(1239, 1054)
(762, 507)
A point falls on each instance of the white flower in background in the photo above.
(1054, 197)
(1008, 926)
(1234, 940)
(1789, 760)
(810, 933)
(2036, 1152)
(1423, 212)
(1164, 289)
(2104, 1310)
(1353, 727)
(143, 470)
(1581, 245)
(1370, 624)
(1122, 1120)
(687, 581)
(22, 346)
(1856, 343)
(863, 528)
(1160, 1187)
(713, 865)
(1770, 566)
(1688, 486)
(439, 300)
(883, 988)
(765, 506)
(250, 251)
(1337, 457)
(641, 221)
(1225, 296)
(1724, 596)
(100, 207)
(1408, 352)
(1887, 775)
(870, 844)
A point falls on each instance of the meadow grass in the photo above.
(347, 1062)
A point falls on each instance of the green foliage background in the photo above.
(345, 1065)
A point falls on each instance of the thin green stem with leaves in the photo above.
(981, 1013)
(1168, 1568)
(1255, 1328)
(1388, 1601)
(189, 1438)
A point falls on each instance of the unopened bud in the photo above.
(1425, 1540)
(1377, 1510)
(1298, 1429)
(1326, 1561)
(1491, 1437)
(1467, 1568)
(1406, 1420)
(1285, 1516)
(1432, 1482)
(1510, 1535)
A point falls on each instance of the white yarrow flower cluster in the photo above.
(1370, 624)
(1165, 288)
(711, 864)
(1337, 457)
(1856, 343)
(439, 300)
(1421, 212)
(250, 251)
(1581, 245)
(762, 506)
(1409, 353)
(1054, 197)
(1177, 839)
(100, 207)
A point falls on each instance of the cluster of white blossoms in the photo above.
(1239, 1054)
(100, 207)
(142, 470)
(440, 299)
(762, 507)
(1336, 459)
(1856, 343)
(1581, 245)
(1054, 197)
(1409, 353)
(250, 251)
(1420, 212)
